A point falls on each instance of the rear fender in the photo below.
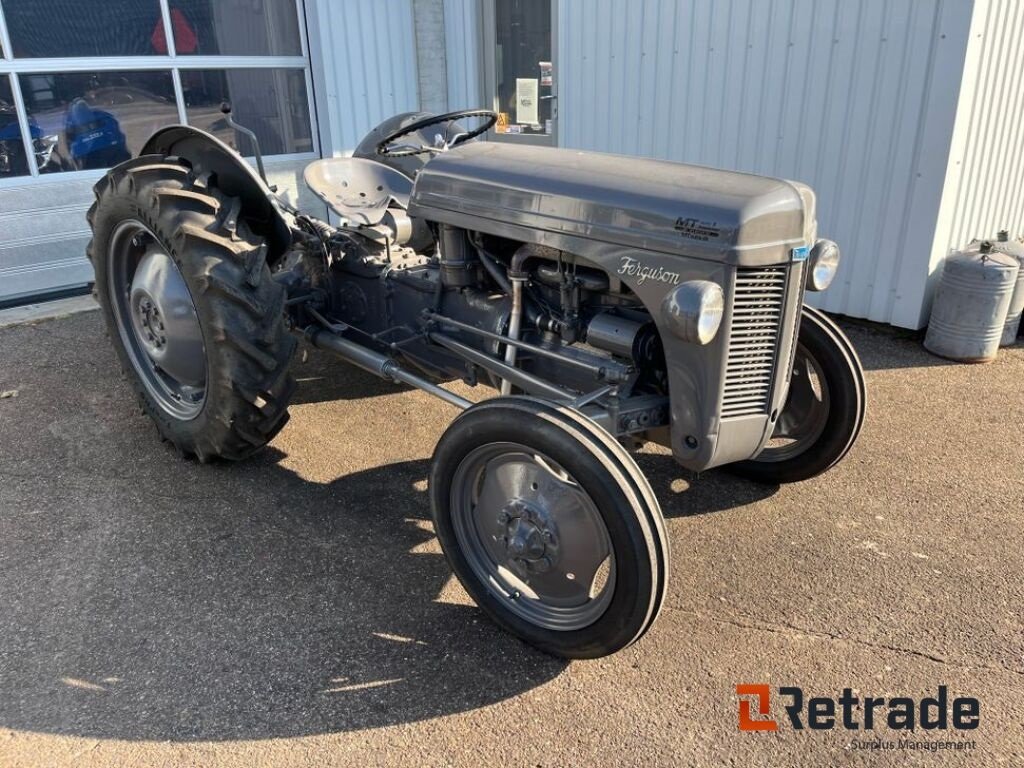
(234, 177)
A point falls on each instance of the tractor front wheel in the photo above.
(550, 526)
(824, 410)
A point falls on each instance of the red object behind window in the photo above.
(185, 40)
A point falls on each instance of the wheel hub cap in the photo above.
(533, 536)
(155, 336)
(165, 321)
(529, 539)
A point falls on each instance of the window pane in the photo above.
(270, 102)
(98, 119)
(235, 27)
(53, 28)
(12, 148)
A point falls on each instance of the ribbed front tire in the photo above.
(550, 526)
(838, 405)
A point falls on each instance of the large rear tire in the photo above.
(190, 306)
(824, 412)
(550, 526)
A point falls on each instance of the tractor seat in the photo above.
(358, 190)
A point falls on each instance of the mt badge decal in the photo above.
(695, 229)
(633, 268)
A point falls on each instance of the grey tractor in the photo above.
(608, 300)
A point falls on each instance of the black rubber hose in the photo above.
(494, 269)
(491, 264)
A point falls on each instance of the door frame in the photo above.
(488, 46)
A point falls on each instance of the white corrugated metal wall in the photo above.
(856, 97)
(42, 244)
(984, 190)
(364, 66)
(859, 98)
(462, 52)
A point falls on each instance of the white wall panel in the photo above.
(42, 243)
(462, 49)
(984, 190)
(363, 54)
(855, 97)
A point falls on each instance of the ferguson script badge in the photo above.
(633, 268)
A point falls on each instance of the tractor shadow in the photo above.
(275, 608)
(323, 377)
(682, 493)
(149, 598)
(261, 605)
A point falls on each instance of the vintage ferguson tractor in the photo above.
(610, 300)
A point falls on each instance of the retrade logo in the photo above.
(853, 713)
(761, 694)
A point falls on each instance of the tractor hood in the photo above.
(648, 204)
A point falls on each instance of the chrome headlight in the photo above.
(694, 310)
(822, 265)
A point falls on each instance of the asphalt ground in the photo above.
(296, 610)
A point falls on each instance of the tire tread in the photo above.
(241, 308)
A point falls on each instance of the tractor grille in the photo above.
(753, 340)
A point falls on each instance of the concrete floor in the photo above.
(296, 610)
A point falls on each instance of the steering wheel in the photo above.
(385, 149)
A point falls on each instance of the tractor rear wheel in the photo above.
(191, 308)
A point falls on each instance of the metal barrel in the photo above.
(971, 305)
(1014, 248)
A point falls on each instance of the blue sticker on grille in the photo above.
(801, 253)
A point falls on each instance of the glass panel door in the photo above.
(519, 62)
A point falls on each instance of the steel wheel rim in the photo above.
(805, 414)
(533, 536)
(157, 320)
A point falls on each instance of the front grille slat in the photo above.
(757, 310)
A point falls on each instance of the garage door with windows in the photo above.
(84, 84)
